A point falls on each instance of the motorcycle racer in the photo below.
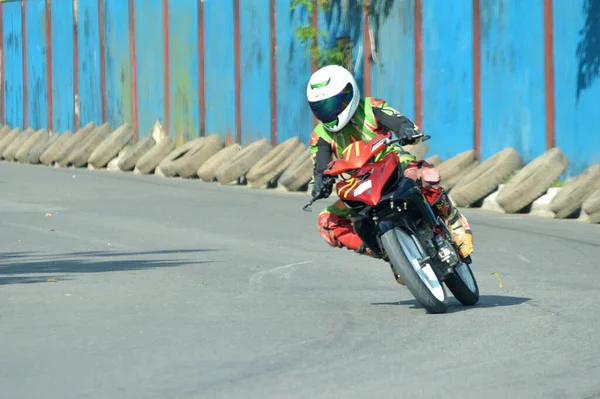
(344, 117)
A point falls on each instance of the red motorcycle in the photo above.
(393, 218)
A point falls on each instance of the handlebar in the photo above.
(418, 135)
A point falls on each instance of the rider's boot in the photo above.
(457, 224)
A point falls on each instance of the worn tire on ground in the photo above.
(4, 130)
(207, 171)
(33, 155)
(110, 147)
(594, 217)
(592, 203)
(418, 150)
(39, 136)
(456, 164)
(13, 147)
(243, 161)
(188, 165)
(71, 145)
(299, 173)
(7, 139)
(166, 166)
(272, 165)
(486, 177)
(128, 161)
(435, 160)
(80, 156)
(532, 181)
(49, 154)
(449, 183)
(151, 159)
(574, 193)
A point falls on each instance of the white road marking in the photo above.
(280, 271)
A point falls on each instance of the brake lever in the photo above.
(307, 207)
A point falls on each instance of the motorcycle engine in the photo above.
(446, 253)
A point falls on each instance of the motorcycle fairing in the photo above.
(357, 154)
(367, 183)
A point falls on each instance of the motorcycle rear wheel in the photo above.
(463, 285)
(405, 255)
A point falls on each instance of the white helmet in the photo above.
(333, 96)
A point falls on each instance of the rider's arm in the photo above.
(393, 120)
(321, 153)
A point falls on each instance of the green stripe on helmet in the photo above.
(317, 85)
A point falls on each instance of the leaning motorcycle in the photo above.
(393, 218)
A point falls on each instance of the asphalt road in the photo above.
(179, 289)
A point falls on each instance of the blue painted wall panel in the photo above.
(117, 61)
(13, 64)
(183, 47)
(62, 66)
(255, 58)
(150, 64)
(448, 76)
(344, 25)
(513, 90)
(393, 69)
(512, 77)
(37, 103)
(577, 87)
(90, 102)
(293, 72)
(219, 68)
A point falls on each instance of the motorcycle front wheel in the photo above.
(406, 257)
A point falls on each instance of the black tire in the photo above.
(402, 265)
(461, 290)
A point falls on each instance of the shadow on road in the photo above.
(19, 267)
(485, 301)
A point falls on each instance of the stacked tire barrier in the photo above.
(501, 183)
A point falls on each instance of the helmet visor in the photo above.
(329, 109)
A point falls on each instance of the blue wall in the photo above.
(577, 87)
(117, 62)
(220, 68)
(90, 107)
(393, 70)
(513, 84)
(293, 68)
(150, 63)
(37, 105)
(183, 65)
(255, 66)
(340, 25)
(448, 76)
(62, 66)
(13, 64)
(512, 77)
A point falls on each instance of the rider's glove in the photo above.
(406, 135)
(322, 187)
